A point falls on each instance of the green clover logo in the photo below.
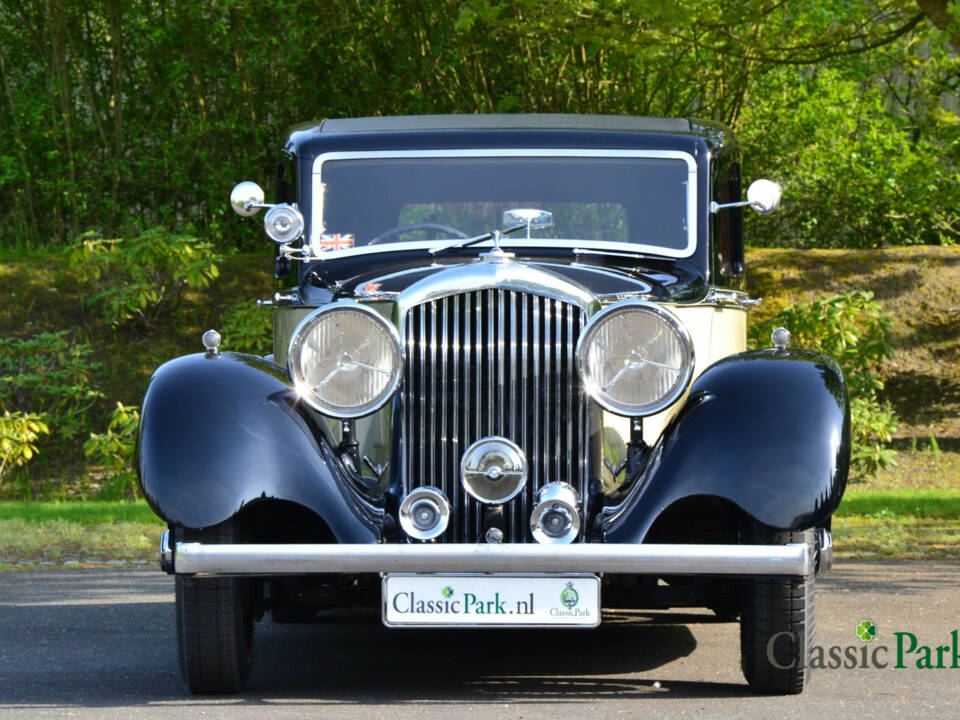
(866, 630)
(447, 592)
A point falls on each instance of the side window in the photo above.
(729, 223)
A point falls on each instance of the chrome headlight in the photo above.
(345, 360)
(635, 358)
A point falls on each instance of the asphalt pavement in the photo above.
(100, 644)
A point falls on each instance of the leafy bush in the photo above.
(114, 451)
(854, 330)
(49, 375)
(248, 328)
(137, 279)
(18, 435)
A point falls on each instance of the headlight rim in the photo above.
(298, 338)
(597, 394)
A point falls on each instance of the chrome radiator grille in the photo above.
(492, 362)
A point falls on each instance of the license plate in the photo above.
(491, 600)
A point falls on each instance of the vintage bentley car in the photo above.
(509, 387)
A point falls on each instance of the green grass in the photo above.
(909, 536)
(85, 534)
(926, 503)
(906, 523)
(24, 543)
(88, 513)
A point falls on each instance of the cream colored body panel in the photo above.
(716, 331)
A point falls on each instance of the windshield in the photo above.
(644, 201)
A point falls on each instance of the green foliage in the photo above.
(114, 451)
(854, 330)
(865, 174)
(248, 328)
(139, 278)
(18, 435)
(49, 375)
(129, 115)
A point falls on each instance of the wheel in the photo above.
(214, 624)
(395, 231)
(777, 623)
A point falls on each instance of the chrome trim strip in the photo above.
(423, 400)
(525, 300)
(571, 466)
(460, 417)
(444, 421)
(536, 468)
(792, 559)
(548, 465)
(317, 228)
(478, 411)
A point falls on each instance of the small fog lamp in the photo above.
(424, 513)
(555, 518)
(283, 223)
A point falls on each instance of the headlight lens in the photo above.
(345, 360)
(635, 358)
(283, 223)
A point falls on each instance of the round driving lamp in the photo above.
(425, 513)
(345, 360)
(555, 519)
(493, 470)
(635, 358)
(283, 223)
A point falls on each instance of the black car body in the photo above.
(562, 411)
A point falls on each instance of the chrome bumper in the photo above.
(197, 558)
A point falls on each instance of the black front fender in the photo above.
(218, 432)
(767, 430)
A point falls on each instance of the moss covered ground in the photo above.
(920, 285)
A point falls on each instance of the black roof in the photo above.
(507, 130)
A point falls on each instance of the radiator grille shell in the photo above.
(485, 363)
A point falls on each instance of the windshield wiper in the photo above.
(611, 253)
(474, 240)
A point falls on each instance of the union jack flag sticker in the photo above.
(336, 241)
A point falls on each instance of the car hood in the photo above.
(603, 277)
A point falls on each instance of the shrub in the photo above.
(18, 435)
(49, 375)
(137, 279)
(248, 328)
(854, 330)
(114, 451)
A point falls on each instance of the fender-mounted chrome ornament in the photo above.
(211, 341)
(780, 339)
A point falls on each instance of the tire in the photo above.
(214, 624)
(292, 614)
(777, 624)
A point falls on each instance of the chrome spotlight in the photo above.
(424, 513)
(555, 518)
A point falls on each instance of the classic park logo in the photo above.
(569, 597)
(909, 652)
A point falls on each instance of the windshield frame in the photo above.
(317, 197)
